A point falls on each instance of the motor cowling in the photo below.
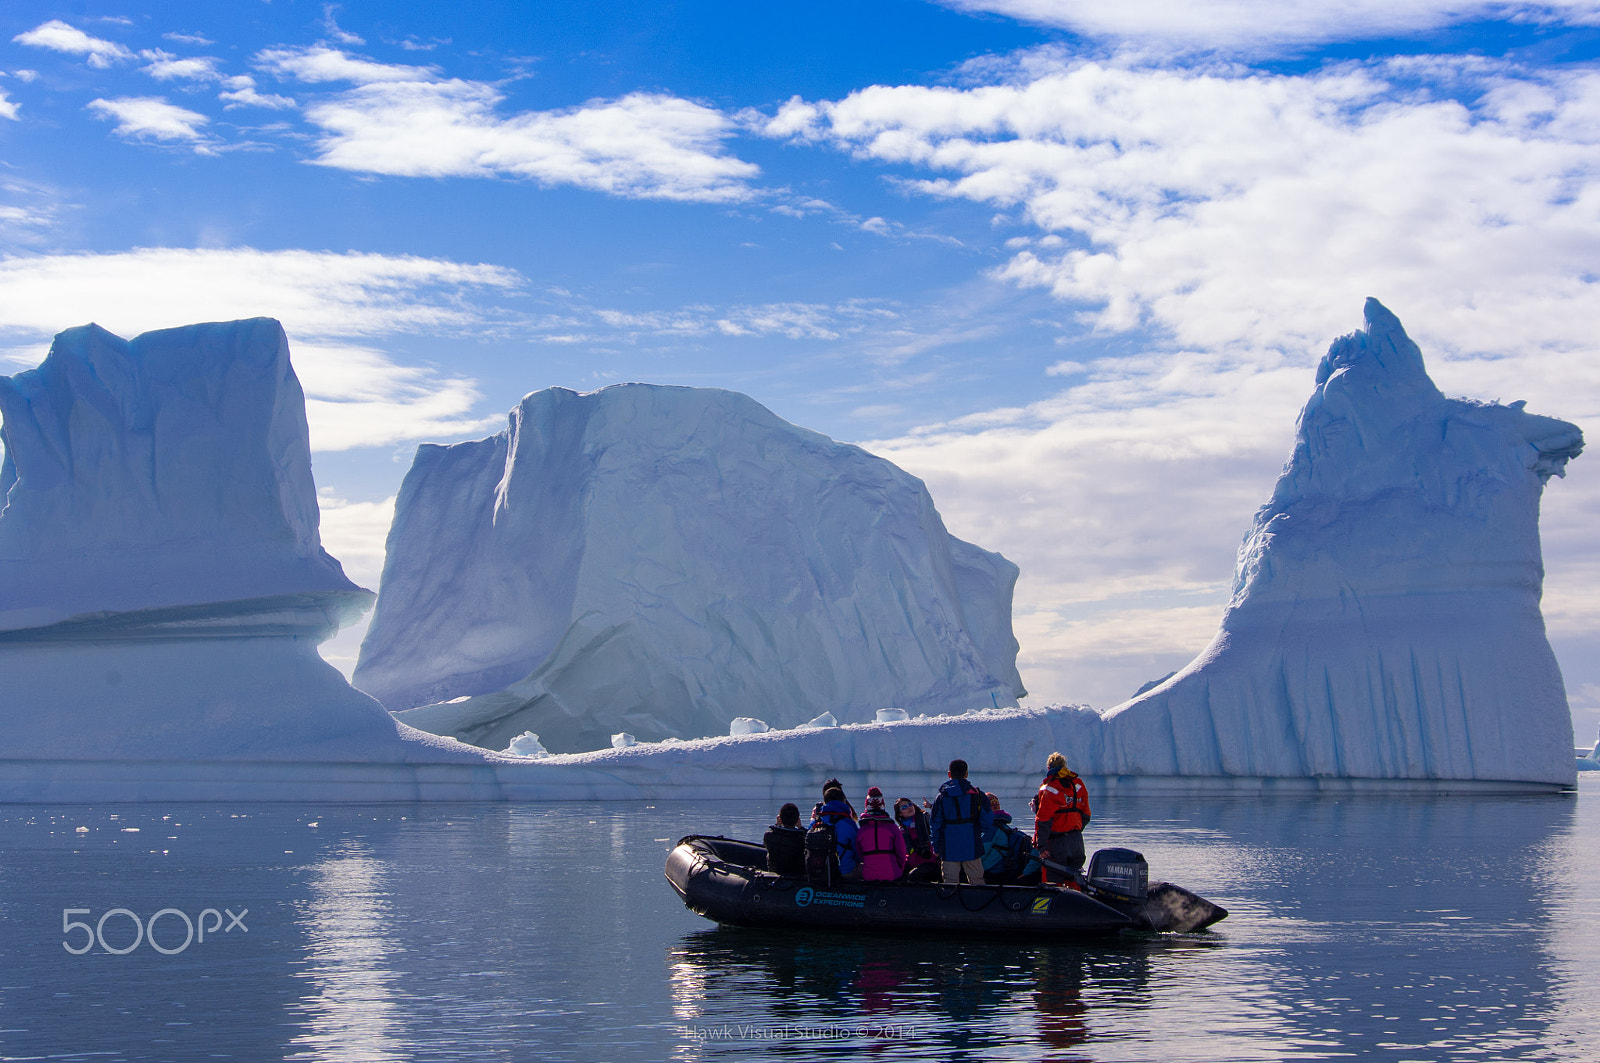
(1121, 873)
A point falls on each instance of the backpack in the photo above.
(1018, 847)
(822, 857)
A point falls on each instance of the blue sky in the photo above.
(1070, 262)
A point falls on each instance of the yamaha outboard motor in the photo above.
(1122, 873)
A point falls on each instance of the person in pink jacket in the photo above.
(879, 843)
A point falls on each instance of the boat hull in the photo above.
(718, 878)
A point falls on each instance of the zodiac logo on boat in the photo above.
(802, 896)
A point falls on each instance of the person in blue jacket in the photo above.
(961, 817)
(836, 810)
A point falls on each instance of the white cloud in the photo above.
(794, 321)
(195, 39)
(166, 67)
(1228, 208)
(356, 395)
(1265, 25)
(359, 397)
(28, 211)
(152, 118)
(314, 293)
(8, 108)
(241, 91)
(331, 27)
(58, 36)
(406, 121)
(354, 532)
(320, 64)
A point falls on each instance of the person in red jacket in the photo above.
(879, 844)
(1063, 812)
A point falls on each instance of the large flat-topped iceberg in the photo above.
(163, 587)
(165, 471)
(662, 560)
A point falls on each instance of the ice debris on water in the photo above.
(747, 725)
(623, 740)
(827, 719)
(891, 716)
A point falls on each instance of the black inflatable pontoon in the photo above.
(726, 881)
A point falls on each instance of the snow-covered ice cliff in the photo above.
(163, 471)
(163, 587)
(662, 560)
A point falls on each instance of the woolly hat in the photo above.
(875, 799)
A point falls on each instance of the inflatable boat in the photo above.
(727, 881)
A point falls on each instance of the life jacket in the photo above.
(881, 847)
(951, 818)
(1063, 803)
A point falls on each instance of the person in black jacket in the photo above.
(786, 843)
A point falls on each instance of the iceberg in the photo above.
(163, 590)
(1384, 630)
(158, 473)
(1385, 619)
(163, 587)
(660, 560)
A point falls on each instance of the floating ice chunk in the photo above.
(623, 740)
(891, 716)
(747, 725)
(825, 720)
(527, 744)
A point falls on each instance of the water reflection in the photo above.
(902, 998)
(352, 1013)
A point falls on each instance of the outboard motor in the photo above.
(1122, 873)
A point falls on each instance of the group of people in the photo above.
(963, 833)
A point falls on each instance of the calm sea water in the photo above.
(1371, 928)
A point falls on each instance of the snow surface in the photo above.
(663, 560)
